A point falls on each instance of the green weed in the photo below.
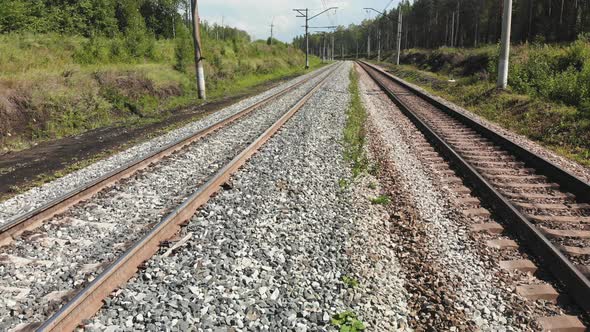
(343, 183)
(347, 321)
(381, 200)
(354, 133)
(351, 282)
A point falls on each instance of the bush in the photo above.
(183, 49)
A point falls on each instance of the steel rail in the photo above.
(577, 285)
(36, 217)
(89, 300)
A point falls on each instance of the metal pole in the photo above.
(306, 40)
(332, 47)
(197, 46)
(505, 45)
(399, 35)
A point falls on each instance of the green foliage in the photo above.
(84, 17)
(183, 49)
(132, 47)
(351, 282)
(343, 183)
(381, 200)
(347, 321)
(354, 132)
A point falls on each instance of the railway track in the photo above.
(77, 249)
(544, 205)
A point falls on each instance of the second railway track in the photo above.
(546, 206)
(99, 243)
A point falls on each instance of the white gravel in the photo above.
(483, 298)
(23, 203)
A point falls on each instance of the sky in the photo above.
(255, 16)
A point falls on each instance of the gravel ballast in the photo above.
(269, 252)
(36, 197)
(70, 249)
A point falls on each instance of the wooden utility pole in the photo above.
(505, 45)
(197, 44)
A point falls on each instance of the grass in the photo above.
(347, 321)
(381, 200)
(48, 90)
(354, 132)
(350, 282)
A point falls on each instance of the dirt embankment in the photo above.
(449, 62)
(56, 106)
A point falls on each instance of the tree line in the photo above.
(459, 23)
(89, 18)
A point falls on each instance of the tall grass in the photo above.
(53, 85)
(354, 130)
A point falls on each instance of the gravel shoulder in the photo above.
(270, 251)
(565, 163)
(23, 203)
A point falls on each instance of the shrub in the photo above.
(183, 49)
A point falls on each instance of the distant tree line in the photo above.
(89, 18)
(461, 23)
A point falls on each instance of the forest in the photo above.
(460, 23)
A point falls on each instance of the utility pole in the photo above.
(505, 45)
(307, 19)
(272, 25)
(332, 46)
(399, 34)
(197, 45)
